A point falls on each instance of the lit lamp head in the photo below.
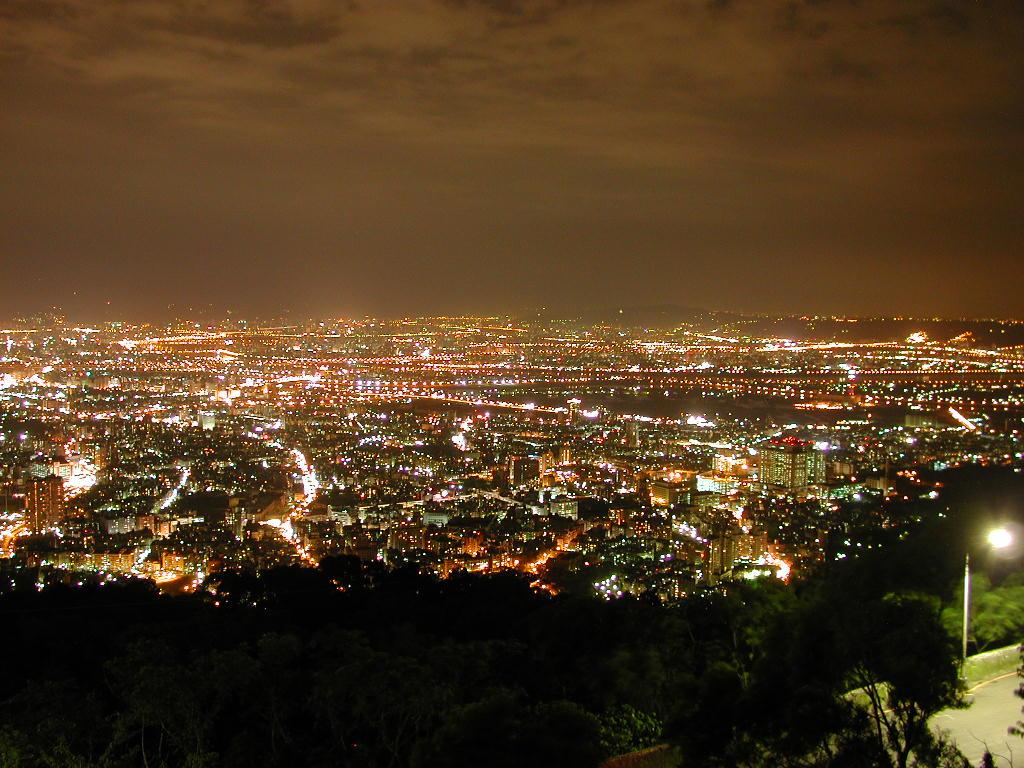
(1000, 538)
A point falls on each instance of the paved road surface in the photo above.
(993, 709)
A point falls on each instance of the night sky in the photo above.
(392, 157)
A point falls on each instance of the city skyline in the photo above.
(459, 156)
(373, 502)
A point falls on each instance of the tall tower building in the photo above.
(45, 502)
(632, 434)
(522, 470)
(575, 412)
(791, 464)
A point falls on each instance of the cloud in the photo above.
(644, 126)
(568, 62)
(258, 23)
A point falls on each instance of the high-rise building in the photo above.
(44, 466)
(565, 507)
(63, 469)
(670, 492)
(729, 462)
(44, 502)
(575, 413)
(734, 546)
(406, 536)
(632, 434)
(791, 464)
(522, 470)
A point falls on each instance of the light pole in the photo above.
(998, 538)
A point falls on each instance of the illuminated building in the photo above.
(44, 468)
(235, 517)
(435, 517)
(406, 536)
(565, 507)
(340, 515)
(558, 456)
(113, 523)
(730, 463)
(668, 493)
(716, 484)
(119, 562)
(45, 502)
(735, 546)
(918, 420)
(632, 434)
(791, 464)
(575, 414)
(522, 470)
(63, 469)
(839, 469)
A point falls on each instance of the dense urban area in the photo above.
(427, 468)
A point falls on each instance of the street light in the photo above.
(998, 538)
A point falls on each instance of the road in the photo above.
(994, 708)
(310, 487)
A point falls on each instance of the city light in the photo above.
(481, 382)
(179, 459)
